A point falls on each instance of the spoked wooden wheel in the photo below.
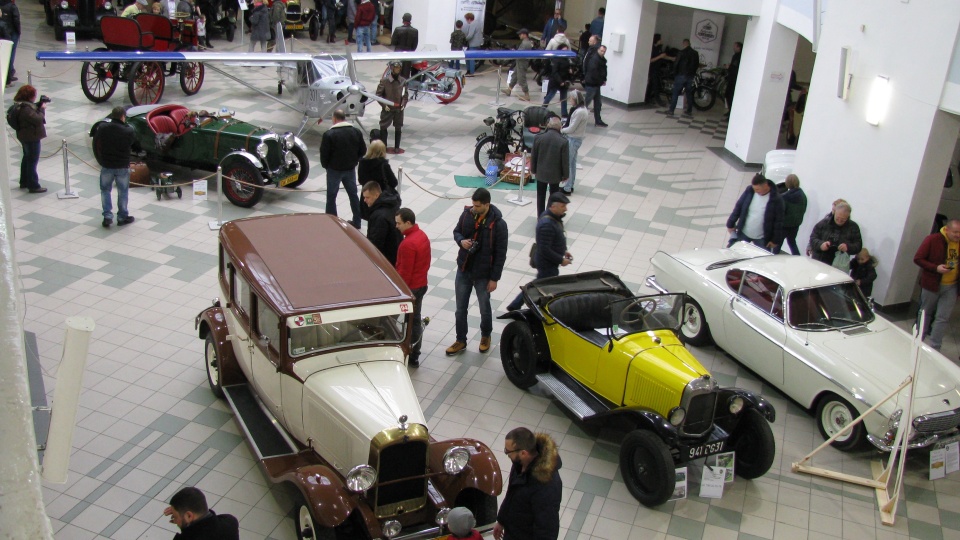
(145, 83)
(191, 77)
(99, 80)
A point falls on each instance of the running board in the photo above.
(575, 397)
(265, 435)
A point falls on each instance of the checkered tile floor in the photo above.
(148, 424)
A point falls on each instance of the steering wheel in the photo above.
(636, 312)
(366, 332)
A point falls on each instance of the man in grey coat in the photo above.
(550, 161)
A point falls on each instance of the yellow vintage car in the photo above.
(608, 355)
(300, 18)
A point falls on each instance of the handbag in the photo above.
(841, 261)
(533, 255)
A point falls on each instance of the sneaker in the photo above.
(579, 166)
(38, 190)
(566, 191)
(601, 124)
(107, 223)
(457, 348)
(125, 220)
(485, 344)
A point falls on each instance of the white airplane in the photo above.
(321, 83)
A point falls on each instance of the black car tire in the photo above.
(754, 445)
(314, 29)
(145, 83)
(482, 153)
(694, 329)
(211, 356)
(304, 167)
(647, 468)
(59, 33)
(304, 522)
(456, 90)
(832, 406)
(703, 98)
(48, 12)
(231, 30)
(483, 506)
(518, 354)
(98, 80)
(242, 195)
(191, 77)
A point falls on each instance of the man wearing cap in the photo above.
(405, 38)
(393, 86)
(136, 8)
(551, 252)
(520, 71)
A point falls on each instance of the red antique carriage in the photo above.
(145, 80)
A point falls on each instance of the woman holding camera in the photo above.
(30, 120)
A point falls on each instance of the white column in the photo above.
(433, 20)
(768, 50)
(627, 69)
(891, 173)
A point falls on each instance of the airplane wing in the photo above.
(274, 59)
(465, 55)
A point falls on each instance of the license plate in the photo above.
(68, 23)
(290, 179)
(703, 450)
(481, 136)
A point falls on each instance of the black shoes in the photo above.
(125, 220)
(38, 190)
(107, 223)
(566, 191)
(601, 124)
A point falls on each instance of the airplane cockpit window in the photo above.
(329, 67)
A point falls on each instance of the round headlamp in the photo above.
(107, 5)
(736, 404)
(64, 4)
(677, 415)
(443, 516)
(455, 459)
(289, 140)
(390, 528)
(289, 158)
(360, 478)
(262, 150)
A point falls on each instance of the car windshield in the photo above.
(646, 313)
(829, 307)
(304, 340)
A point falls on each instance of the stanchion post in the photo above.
(399, 178)
(67, 193)
(29, 77)
(215, 225)
(499, 79)
(520, 201)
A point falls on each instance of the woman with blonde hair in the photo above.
(374, 166)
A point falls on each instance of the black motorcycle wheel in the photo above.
(482, 154)
(703, 98)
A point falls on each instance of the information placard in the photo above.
(711, 485)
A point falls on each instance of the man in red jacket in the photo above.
(413, 263)
(937, 259)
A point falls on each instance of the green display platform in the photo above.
(480, 181)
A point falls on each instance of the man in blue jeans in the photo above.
(112, 141)
(551, 243)
(341, 148)
(687, 64)
(481, 235)
(474, 34)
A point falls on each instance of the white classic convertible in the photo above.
(806, 328)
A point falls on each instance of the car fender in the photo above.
(645, 419)
(482, 473)
(211, 321)
(241, 154)
(330, 501)
(750, 401)
(299, 142)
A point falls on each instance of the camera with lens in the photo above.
(474, 247)
(43, 99)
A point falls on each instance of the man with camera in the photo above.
(112, 142)
(481, 234)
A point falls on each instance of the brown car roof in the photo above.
(311, 262)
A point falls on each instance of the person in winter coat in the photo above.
(481, 234)
(278, 15)
(366, 16)
(836, 232)
(351, 17)
(413, 265)
(341, 148)
(553, 26)
(938, 257)
(863, 270)
(393, 86)
(560, 76)
(595, 76)
(259, 26)
(330, 17)
(758, 216)
(112, 142)
(188, 511)
(558, 39)
(461, 523)
(531, 507)
(686, 66)
(794, 206)
(458, 42)
(405, 38)
(382, 228)
(31, 118)
(575, 130)
(551, 251)
(10, 29)
(549, 161)
(376, 167)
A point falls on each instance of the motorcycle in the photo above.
(506, 138)
(437, 80)
(704, 95)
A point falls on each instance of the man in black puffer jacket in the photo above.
(405, 38)
(595, 76)
(758, 216)
(551, 251)
(382, 227)
(531, 507)
(341, 148)
(112, 141)
(188, 511)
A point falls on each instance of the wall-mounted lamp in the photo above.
(846, 78)
(879, 100)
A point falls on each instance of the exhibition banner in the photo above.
(705, 36)
(477, 7)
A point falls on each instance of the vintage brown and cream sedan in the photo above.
(309, 348)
